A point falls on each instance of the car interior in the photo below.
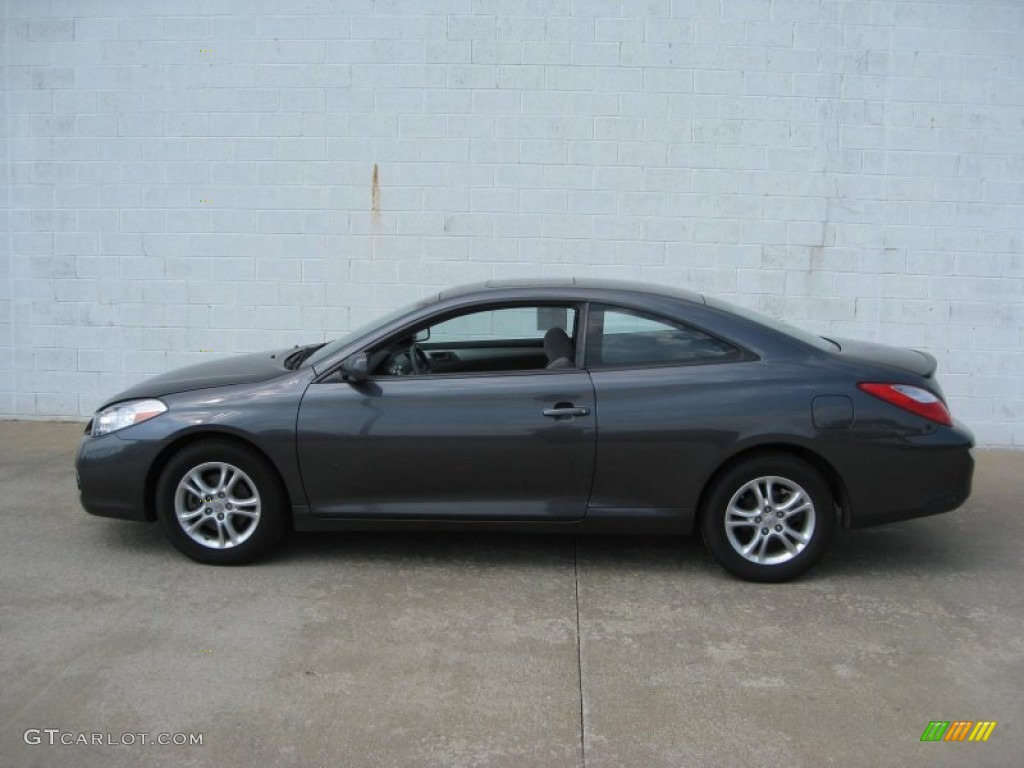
(517, 338)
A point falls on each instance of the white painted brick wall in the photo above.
(188, 176)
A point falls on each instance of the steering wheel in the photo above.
(418, 358)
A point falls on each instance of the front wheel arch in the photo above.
(156, 468)
(221, 502)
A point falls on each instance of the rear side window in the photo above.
(625, 337)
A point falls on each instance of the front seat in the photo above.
(559, 349)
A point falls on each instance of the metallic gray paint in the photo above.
(241, 369)
(456, 446)
(468, 450)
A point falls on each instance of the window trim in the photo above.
(740, 353)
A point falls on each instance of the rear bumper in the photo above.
(909, 480)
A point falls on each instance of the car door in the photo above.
(454, 445)
(666, 394)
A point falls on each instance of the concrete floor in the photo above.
(484, 650)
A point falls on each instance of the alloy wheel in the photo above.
(217, 505)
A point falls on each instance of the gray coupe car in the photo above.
(568, 406)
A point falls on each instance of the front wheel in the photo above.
(769, 518)
(221, 503)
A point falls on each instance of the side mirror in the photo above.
(355, 368)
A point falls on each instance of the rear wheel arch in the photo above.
(173, 449)
(831, 476)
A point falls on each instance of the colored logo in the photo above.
(958, 730)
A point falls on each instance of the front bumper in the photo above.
(112, 471)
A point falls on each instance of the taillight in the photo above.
(910, 398)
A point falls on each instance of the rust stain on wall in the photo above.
(375, 194)
(374, 210)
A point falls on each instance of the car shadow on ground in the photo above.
(915, 547)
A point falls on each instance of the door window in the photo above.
(503, 325)
(495, 339)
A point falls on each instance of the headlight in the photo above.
(121, 415)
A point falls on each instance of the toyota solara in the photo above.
(569, 406)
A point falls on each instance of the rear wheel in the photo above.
(769, 518)
(221, 503)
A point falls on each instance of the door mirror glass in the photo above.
(356, 367)
(421, 336)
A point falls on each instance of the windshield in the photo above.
(331, 347)
(819, 342)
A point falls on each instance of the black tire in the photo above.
(762, 539)
(257, 519)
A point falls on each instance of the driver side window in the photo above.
(495, 339)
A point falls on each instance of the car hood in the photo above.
(240, 369)
(912, 360)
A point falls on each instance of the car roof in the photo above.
(532, 287)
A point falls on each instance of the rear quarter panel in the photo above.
(662, 432)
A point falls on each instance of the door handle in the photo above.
(566, 411)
